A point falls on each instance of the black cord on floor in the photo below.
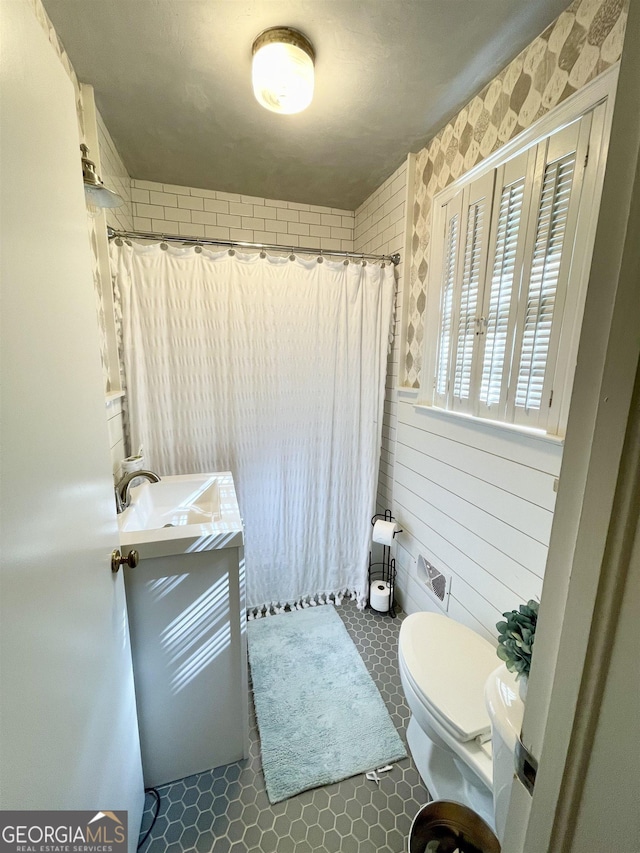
(155, 817)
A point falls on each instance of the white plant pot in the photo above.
(523, 684)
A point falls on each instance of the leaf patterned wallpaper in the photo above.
(583, 42)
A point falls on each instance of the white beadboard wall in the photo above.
(477, 501)
(381, 228)
(194, 212)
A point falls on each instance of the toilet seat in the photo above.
(428, 729)
(447, 665)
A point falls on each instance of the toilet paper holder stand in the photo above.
(384, 570)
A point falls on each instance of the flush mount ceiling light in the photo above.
(283, 70)
(96, 194)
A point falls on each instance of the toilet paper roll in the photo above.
(132, 463)
(383, 531)
(379, 594)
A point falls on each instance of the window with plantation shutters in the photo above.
(502, 285)
(550, 244)
(543, 282)
(503, 261)
(476, 212)
(501, 290)
(451, 216)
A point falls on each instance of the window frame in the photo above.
(596, 98)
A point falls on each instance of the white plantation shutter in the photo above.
(510, 255)
(543, 283)
(550, 243)
(501, 290)
(503, 284)
(476, 207)
(452, 214)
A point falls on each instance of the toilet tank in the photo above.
(506, 710)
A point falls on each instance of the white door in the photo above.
(581, 722)
(69, 736)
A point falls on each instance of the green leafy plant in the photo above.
(516, 636)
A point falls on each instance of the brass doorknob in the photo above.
(118, 560)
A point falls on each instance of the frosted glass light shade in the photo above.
(101, 196)
(282, 70)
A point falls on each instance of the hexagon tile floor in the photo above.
(227, 810)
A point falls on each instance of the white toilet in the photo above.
(462, 743)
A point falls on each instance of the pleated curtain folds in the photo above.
(274, 369)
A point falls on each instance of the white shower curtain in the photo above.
(272, 368)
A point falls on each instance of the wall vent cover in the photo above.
(437, 583)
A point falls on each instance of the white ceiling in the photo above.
(173, 83)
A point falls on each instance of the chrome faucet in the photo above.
(124, 486)
(119, 504)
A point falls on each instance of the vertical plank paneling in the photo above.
(478, 505)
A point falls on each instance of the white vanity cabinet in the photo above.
(186, 604)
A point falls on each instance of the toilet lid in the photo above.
(449, 664)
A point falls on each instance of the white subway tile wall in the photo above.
(380, 228)
(193, 212)
(116, 438)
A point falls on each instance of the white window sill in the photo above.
(514, 430)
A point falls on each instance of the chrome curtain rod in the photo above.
(201, 241)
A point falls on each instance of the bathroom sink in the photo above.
(172, 502)
(181, 514)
